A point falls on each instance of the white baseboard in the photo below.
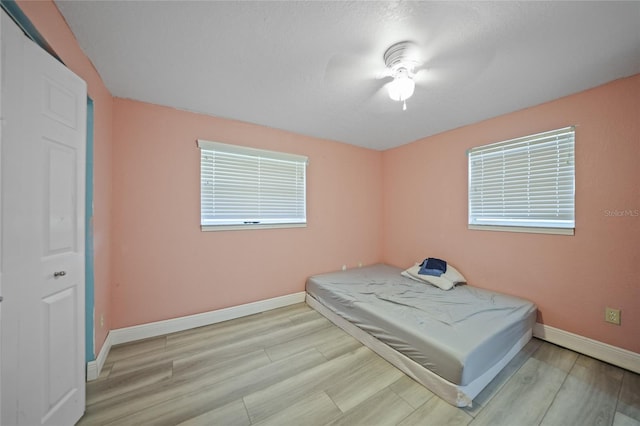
(593, 348)
(159, 328)
(95, 367)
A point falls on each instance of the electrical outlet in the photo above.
(612, 315)
(344, 267)
(102, 321)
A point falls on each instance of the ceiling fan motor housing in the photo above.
(399, 56)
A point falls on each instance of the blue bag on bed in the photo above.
(433, 266)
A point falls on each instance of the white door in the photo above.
(42, 210)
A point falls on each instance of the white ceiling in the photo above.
(309, 66)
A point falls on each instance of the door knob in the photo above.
(59, 274)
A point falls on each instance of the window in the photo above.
(250, 188)
(524, 184)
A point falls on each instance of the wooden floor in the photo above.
(291, 366)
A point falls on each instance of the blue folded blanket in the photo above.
(433, 266)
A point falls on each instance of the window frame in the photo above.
(261, 154)
(520, 144)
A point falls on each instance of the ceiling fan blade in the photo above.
(344, 69)
(368, 91)
(359, 77)
(422, 77)
(385, 73)
(382, 94)
(456, 66)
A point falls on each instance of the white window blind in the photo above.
(242, 186)
(524, 182)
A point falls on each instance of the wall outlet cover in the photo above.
(612, 315)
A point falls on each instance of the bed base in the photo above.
(456, 395)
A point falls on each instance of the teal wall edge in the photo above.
(88, 246)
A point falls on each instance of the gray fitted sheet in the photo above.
(457, 334)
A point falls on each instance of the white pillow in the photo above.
(454, 275)
(445, 281)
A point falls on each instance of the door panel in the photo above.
(61, 228)
(60, 104)
(59, 315)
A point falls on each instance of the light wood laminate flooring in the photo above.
(291, 366)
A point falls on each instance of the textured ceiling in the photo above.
(310, 67)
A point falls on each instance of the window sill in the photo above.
(524, 229)
(209, 228)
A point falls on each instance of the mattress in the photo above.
(457, 334)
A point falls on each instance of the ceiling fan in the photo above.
(402, 62)
(403, 68)
(407, 65)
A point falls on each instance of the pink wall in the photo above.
(47, 19)
(165, 267)
(570, 278)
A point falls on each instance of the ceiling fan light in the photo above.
(401, 88)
